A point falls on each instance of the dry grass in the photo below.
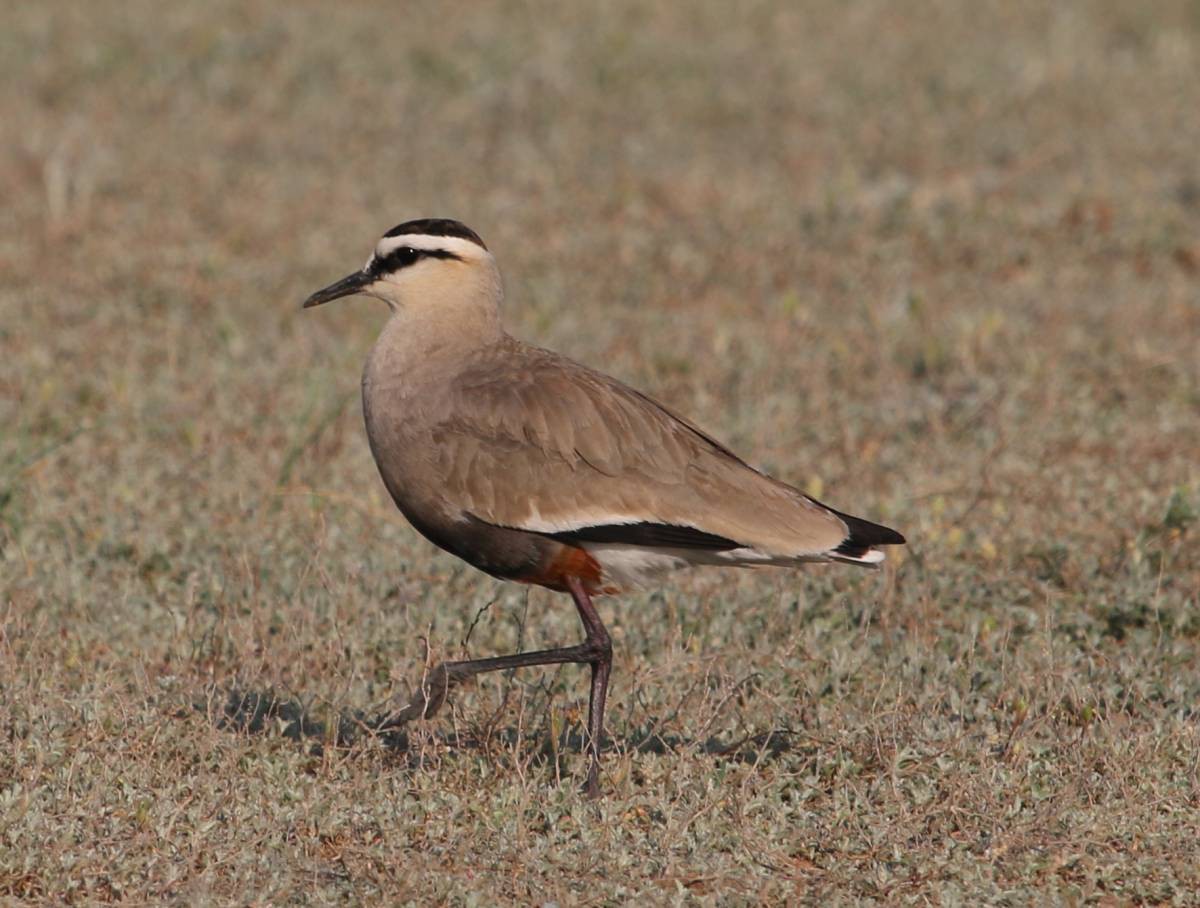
(942, 268)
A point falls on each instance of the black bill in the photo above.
(347, 286)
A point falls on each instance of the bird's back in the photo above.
(520, 438)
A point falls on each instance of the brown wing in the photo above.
(534, 441)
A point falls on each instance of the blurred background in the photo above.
(939, 267)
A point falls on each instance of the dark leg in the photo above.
(596, 650)
(601, 661)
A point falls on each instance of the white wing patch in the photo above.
(870, 556)
(638, 566)
(634, 565)
(535, 522)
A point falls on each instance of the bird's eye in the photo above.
(398, 258)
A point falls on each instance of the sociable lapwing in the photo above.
(537, 469)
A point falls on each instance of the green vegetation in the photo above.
(941, 268)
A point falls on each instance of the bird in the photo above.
(537, 469)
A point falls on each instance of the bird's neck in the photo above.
(433, 336)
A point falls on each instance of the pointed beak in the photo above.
(347, 286)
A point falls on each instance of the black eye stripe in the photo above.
(400, 258)
(403, 256)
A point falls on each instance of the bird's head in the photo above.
(426, 261)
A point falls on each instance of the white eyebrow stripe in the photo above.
(464, 249)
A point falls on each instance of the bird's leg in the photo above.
(599, 646)
(596, 651)
(430, 696)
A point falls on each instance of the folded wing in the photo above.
(537, 442)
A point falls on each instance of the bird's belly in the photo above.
(625, 566)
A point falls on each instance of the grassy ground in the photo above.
(940, 268)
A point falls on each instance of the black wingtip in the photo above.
(863, 534)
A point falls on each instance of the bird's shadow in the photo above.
(262, 712)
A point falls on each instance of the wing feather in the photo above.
(532, 440)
